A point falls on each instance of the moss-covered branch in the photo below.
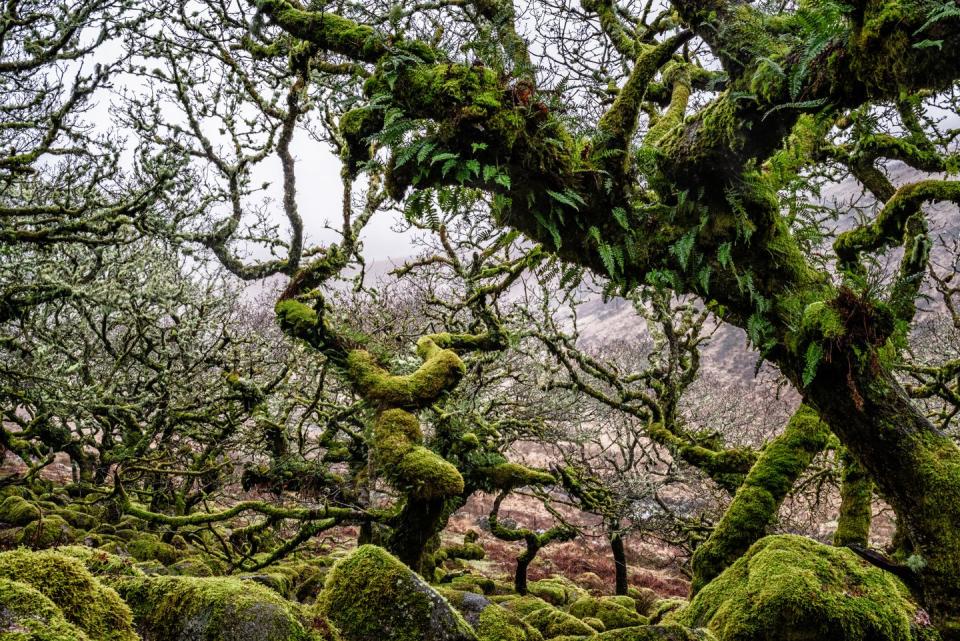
(756, 503)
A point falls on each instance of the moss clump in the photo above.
(371, 596)
(557, 590)
(551, 622)
(84, 602)
(18, 511)
(27, 615)
(498, 624)
(608, 610)
(663, 607)
(656, 633)
(643, 598)
(172, 608)
(150, 548)
(524, 605)
(47, 532)
(790, 587)
(101, 562)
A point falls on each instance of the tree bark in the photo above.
(619, 563)
(856, 504)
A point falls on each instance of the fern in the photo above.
(811, 361)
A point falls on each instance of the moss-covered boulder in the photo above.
(612, 611)
(178, 608)
(663, 607)
(27, 615)
(490, 621)
(47, 532)
(100, 562)
(147, 547)
(790, 587)
(656, 633)
(557, 590)
(524, 605)
(82, 599)
(371, 596)
(551, 622)
(16, 510)
(643, 599)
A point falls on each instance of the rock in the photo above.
(371, 596)
(551, 622)
(28, 615)
(656, 633)
(83, 600)
(180, 608)
(18, 511)
(611, 611)
(790, 587)
(490, 621)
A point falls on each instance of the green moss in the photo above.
(84, 602)
(497, 624)
(371, 596)
(507, 476)
(790, 587)
(18, 511)
(656, 633)
(524, 605)
(27, 615)
(757, 501)
(172, 608)
(856, 504)
(47, 532)
(557, 590)
(441, 371)
(663, 607)
(408, 466)
(613, 614)
(551, 622)
(101, 562)
(644, 598)
(151, 548)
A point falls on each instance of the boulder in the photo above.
(369, 595)
(790, 587)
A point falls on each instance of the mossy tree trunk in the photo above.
(619, 563)
(757, 501)
(856, 504)
(713, 225)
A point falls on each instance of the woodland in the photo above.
(674, 353)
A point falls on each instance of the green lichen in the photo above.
(644, 598)
(84, 601)
(371, 596)
(790, 587)
(173, 608)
